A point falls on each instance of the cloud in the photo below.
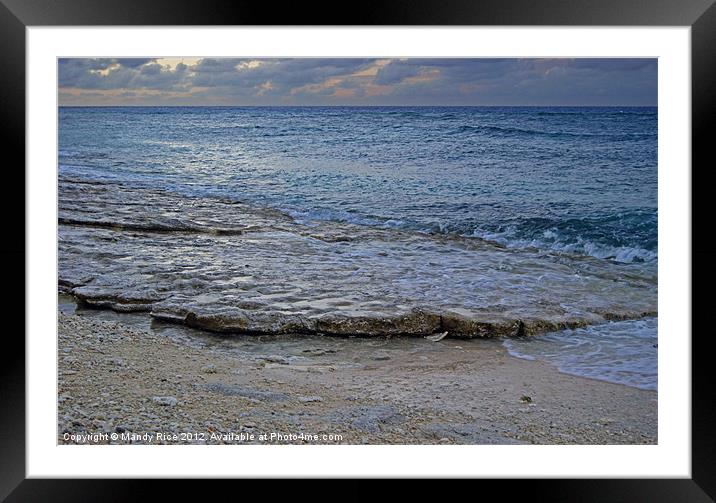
(133, 62)
(106, 73)
(615, 64)
(331, 81)
(396, 72)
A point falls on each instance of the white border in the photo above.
(671, 457)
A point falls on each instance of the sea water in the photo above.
(552, 183)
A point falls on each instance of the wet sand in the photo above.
(125, 383)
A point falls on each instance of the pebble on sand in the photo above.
(167, 401)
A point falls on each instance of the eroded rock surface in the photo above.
(229, 267)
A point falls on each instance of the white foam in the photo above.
(623, 352)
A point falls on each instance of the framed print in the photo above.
(424, 241)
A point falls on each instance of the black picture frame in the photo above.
(700, 15)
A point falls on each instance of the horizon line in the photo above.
(352, 106)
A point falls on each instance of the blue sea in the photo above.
(560, 180)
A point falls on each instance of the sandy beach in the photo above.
(121, 383)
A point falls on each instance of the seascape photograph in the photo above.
(345, 251)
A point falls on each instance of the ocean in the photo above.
(489, 221)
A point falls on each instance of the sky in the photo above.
(352, 81)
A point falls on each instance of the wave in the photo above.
(563, 236)
(515, 131)
(578, 245)
(628, 237)
(622, 352)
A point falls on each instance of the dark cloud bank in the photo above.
(232, 81)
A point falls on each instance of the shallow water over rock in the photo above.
(229, 267)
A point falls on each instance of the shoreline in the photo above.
(136, 383)
(231, 267)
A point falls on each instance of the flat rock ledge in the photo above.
(417, 323)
